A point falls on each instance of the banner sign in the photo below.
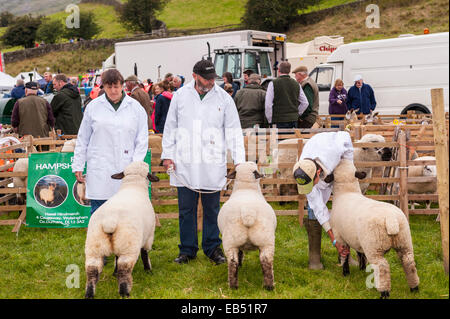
(54, 197)
(2, 68)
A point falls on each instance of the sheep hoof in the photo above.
(415, 289)
(269, 288)
(384, 295)
(123, 290)
(89, 292)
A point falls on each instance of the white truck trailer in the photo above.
(401, 71)
(233, 51)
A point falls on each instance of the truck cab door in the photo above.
(324, 76)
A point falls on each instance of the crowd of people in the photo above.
(112, 129)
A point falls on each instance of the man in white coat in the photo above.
(112, 134)
(320, 156)
(201, 125)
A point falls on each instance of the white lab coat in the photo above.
(327, 149)
(107, 142)
(197, 134)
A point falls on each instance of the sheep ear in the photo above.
(231, 175)
(376, 113)
(257, 175)
(329, 179)
(118, 176)
(152, 177)
(360, 175)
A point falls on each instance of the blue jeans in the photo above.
(187, 205)
(95, 204)
(310, 213)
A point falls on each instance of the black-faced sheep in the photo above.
(370, 227)
(247, 222)
(124, 225)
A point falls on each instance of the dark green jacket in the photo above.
(66, 106)
(285, 99)
(250, 105)
(312, 94)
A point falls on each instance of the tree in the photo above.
(139, 15)
(272, 15)
(88, 27)
(22, 32)
(6, 18)
(50, 31)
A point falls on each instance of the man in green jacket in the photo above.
(309, 86)
(250, 103)
(66, 106)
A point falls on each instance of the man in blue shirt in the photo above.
(19, 90)
(361, 97)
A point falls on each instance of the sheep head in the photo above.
(245, 172)
(371, 118)
(137, 169)
(377, 153)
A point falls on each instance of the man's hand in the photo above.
(80, 178)
(342, 250)
(167, 163)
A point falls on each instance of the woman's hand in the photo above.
(80, 178)
(339, 101)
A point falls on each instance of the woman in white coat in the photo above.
(320, 156)
(113, 133)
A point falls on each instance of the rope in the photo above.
(171, 171)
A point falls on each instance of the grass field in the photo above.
(33, 265)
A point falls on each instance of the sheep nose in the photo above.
(387, 154)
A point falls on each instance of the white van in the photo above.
(401, 71)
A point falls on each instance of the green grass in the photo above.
(189, 14)
(34, 266)
(324, 4)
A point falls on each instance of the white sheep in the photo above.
(155, 144)
(284, 156)
(423, 170)
(371, 154)
(124, 225)
(48, 194)
(69, 146)
(370, 227)
(21, 165)
(247, 222)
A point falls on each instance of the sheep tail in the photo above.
(248, 216)
(392, 225)
(109, 223)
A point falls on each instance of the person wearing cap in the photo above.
(201, 125)
(113, 133)
(250, 103)
(361, 97)
(139, 94)
(285, 100)
(311, 90)
(320, 156)
(66, 106)
(32, 114)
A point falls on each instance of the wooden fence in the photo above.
(260, 143)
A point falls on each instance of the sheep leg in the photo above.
(409, 267)
(362, 261)
(240, 257)
(94, 268)
(115, 267)
(382, 273)
(232, 255)
(146, 260)
(346, 267)
(125, 265)
(266, 258)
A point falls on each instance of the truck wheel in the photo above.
(417, 108)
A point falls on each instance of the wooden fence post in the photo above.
(403, 174)
(441, 152)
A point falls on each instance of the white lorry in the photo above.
(233, 51)
(312, 53)
(401, 71)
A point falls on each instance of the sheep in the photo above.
(247, 222)
(369, 154)
(371, 231)
(21, 165)
(69, 146)
(155, 144)
(81, 192)
(47, 195)
(123, 225)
